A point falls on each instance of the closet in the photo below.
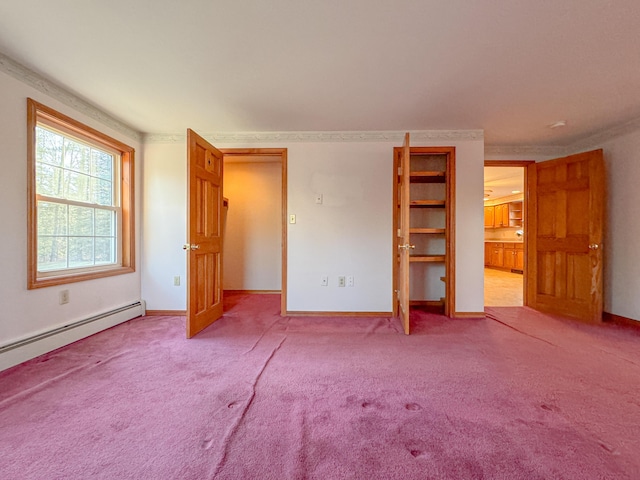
(424, 190)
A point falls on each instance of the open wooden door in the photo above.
(564, 255)
(403, 235)
(204, 247)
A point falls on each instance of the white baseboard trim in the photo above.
(30, 347)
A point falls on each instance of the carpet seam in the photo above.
(264, 332)
(491, 317)
(238, 423)
(36, 388)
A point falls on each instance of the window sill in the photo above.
(62, 279)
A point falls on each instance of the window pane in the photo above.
(77, 186)
(80, 252)
(102, 164)
(49, 180)
(77, 156)
(105, 223)
(52, 219)
(80, 221)
(52, 253)
(105, 250)
(48, 147)
(102, 192)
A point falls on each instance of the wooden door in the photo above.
(204, 247)
(564, 256)
(403, 234)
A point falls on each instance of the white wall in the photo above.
(26, 312)
(164, 225)
(622, 232)
(351, 233)
(253, 229)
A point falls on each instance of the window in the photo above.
(80, 222)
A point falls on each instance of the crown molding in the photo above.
(322, 136)
(164, 138)
(37, 81)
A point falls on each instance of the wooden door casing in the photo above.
(564, 257)
(204, 214)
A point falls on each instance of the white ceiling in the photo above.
(510, 67)
(502, 181)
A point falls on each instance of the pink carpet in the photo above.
(518, 395)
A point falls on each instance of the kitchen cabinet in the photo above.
(504, 215)
(497, 254)
(501, 217)
(504, 255)
(489, 213)
(515, 214)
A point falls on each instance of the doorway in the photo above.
(504, 233)
(255, 187)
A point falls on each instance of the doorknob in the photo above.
(594, 246)
(406, 246)
(192, 246)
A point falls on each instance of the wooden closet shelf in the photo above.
(426, 258)
(428, 177)
(427, 204)
(427, 230)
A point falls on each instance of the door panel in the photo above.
(204, 266)
(565, 235)
(403, 235)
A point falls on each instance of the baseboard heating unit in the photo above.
(32, 346)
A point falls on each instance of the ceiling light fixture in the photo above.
(516, 191)
(558, 124)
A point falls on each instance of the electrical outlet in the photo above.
(63, 297)
(324, 280)
(350, 281)
(341, 281)
(176, 281)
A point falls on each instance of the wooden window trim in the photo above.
(37, 112)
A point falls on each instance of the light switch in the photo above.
(319, 198)
(292, 218)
